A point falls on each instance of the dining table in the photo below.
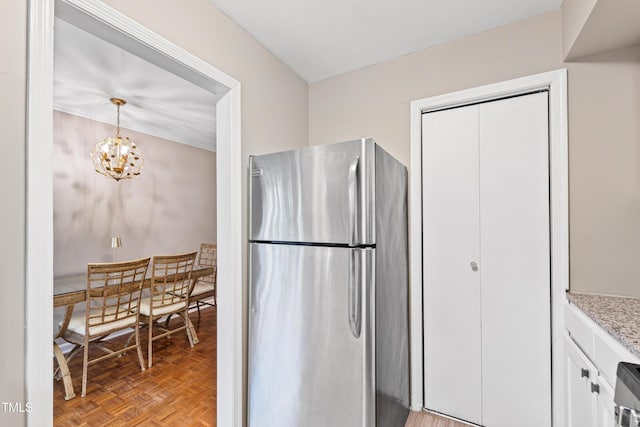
(71, 289)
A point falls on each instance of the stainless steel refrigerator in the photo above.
(328, 317)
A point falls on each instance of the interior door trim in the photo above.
(39, 204)
(556, 83)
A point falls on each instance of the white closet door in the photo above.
(452, 359)
(515, 265)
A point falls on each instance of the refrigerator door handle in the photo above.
(354, 196)
(354, 292)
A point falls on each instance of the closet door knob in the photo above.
(474, 266)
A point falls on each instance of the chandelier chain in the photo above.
(118, 121)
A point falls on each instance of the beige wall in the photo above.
(374, 101)
(12, 219)
(604, 128)
(604, 172)
(574, 15)
(274, 117)
(591, 27)
(169, 208)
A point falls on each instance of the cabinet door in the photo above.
(515, 266)
(605, 406)
(580, 373)
(452, 344)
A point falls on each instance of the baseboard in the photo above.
(66, 347)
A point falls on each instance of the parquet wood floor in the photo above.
(179, 390)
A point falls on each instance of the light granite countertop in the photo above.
(619, 316)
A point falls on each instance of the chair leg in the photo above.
(139, 347)
(198, 307)
(150, 344)
(191, 330)
(85, 366)
(57, 374)
(64, 372)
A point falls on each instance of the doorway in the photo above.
(39, 270)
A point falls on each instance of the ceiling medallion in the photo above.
(117, 157)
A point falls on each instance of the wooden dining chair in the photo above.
(169, 294)
(113, 296)
(205, 287)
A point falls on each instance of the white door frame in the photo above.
(556, 83)
(39, 209)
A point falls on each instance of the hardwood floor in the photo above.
(179, 390)
(427, 419)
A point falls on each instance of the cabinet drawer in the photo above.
(581, 330)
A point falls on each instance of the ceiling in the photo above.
(89, 70)
(319, 39)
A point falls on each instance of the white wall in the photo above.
(170, 208)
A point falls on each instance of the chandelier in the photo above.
(117, 157)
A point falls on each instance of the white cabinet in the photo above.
(589, 396)
(487, 355)
(605, 413)
(591, 359)
(581, 376)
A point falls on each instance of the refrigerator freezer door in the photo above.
(321, 194)
(310, 351)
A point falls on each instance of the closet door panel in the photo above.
(452, 359)
(515, 264)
